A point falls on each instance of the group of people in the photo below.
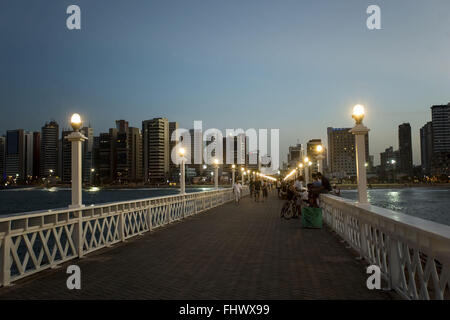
(305, 195)
(260, 187)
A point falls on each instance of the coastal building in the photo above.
(426, 147)
(107, 156)
(440, 164)
(295, 155)
(66, 157)
(312, 154)
(341, 152)
(36, 154)
(87, 153)
(15, 154)
(389, 163)
(155, 137)
(49, 149)
(2, 158)
(405, 149)
(28, 161)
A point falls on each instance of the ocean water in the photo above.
(426, 203)
(33, 199)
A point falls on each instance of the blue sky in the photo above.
(298, 66)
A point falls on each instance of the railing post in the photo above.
(183, 207)
(122, 225)
(394, 264)
(5, 260)
(149, 217)
(364, 250)
(78, 234)
(168, 218)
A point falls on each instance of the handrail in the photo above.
(413, 254)
(35, 241)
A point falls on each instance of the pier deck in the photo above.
(229, 252)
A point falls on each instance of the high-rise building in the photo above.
(66, 157)
(28, 148)
(341, 152)
(15, 154)
(389, 163)
(2, 158)
(107, 156)
(87, 154)
(135, 154)
(295, 155)
(426, 147)
(405, 149)
(440, 163)
(49, 149)
(36, 155)
(312, 153)
(155, 137)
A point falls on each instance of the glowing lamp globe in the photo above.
(75, 122)
(182, 151)
(319, 148)
(358, 113)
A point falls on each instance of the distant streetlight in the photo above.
(360, 131)
(181, 153)
(216, 173)
(320, 157)
(76, 138)
(306, 161)
(242, 175)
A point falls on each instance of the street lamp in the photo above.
(76, 138)
(181, 153)
(306, 161)
(242, 175)
(320, 157)
(360, 131)
(216, 173)
(248, 173)
(233, 169)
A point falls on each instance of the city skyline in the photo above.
(232, 65)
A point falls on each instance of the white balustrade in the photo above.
(34, 241)
(413, 254)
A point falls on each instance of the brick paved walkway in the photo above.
(230, 252)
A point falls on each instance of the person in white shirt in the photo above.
(237, 189)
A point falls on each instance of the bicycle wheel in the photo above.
(289, 213)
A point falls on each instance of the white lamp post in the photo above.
(306, 161)
(360, 131)
(76, 138)
(248, 173)
(181, 153)
(320, 157)
(242, 175)
(216, 173)
(233, 171)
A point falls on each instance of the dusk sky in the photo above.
(298, 66)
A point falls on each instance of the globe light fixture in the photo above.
(306, 159)
(233, 166)
(182, 152)
(216, 161)
(300, 165)
(358, 113)
(319, 148)
(75, 122)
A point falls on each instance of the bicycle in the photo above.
(289, 209)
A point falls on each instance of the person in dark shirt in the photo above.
(257, 190)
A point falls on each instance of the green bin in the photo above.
(311, 217)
